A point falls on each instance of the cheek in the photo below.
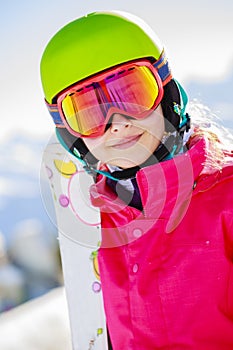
(97, 147)
(149, 143)
(94, 144)
(154, 125)
(160, 130)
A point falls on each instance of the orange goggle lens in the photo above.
(133, 89)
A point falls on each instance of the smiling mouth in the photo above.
(126, 142)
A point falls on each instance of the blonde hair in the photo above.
(204, 123)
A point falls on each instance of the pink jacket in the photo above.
(167, 272)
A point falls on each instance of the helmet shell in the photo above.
(94, 43)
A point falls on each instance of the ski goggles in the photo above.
(134, 89)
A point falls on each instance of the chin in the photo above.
(130, 158)
(126, 164)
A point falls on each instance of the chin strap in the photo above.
(165, 151)
(90, 169)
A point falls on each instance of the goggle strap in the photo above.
(54, 112)
(163, 68)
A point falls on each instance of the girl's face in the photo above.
(128, 142)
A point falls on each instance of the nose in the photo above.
(119, 123)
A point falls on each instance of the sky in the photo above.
(197, 36)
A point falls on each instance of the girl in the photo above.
(163, 186)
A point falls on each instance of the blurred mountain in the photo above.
(20, 194)
(217, 95)
(26, 231)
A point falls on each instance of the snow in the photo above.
(41, 324)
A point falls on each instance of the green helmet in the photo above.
(94, 43)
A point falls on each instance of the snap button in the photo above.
(137, 232)
(135, 268)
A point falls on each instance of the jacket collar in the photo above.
(169, 179)
(166, 191)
